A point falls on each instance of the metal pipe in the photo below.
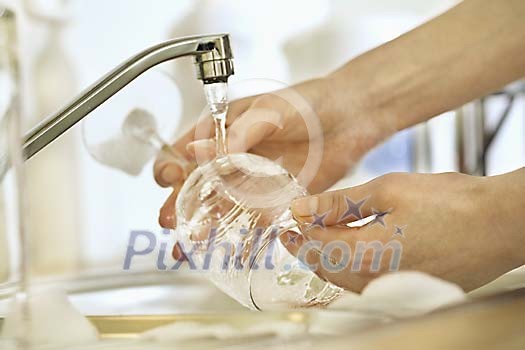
(213, 60)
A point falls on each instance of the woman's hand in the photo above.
(304, 121)
(457, 227)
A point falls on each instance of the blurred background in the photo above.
(82, 212)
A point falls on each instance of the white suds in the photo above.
(402, 294)
(182, 331)
(51, 319)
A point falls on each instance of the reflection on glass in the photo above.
(231, 213)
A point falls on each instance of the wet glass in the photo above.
(231, 213)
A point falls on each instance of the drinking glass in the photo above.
(231, 213)
(13, 260)
(106, 133)
(11, 239)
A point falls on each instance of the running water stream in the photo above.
(217, 98)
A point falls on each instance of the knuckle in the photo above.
(387, 186)
(233, 131)
(325, 203)
(392, 178)
(339, 204)
(261, 101)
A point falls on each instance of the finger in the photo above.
(310, 252)
(173, 166)
(372, 249)
(291, 240)
(167, 217)
(202, 150)
(205, 127)
(177, 253)
(343, 256)
(251, 128)
(351, 235)
(167, 172)
(238, 107)
(329, 266)
(340, 206)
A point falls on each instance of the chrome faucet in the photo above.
(213, 62)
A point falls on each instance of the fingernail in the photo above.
(167, 221)
(204, 143)
(177, 253)
(305, 206)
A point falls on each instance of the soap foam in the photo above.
(183, 331)
(50, 319)
(402, 294)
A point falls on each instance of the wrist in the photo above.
(504, 204)
(352, 100)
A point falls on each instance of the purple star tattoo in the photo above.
(380, 217)
(399, 231)
(352, 209)
(319, 220)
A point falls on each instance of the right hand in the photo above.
(270, 126)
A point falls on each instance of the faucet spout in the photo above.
(213, 61)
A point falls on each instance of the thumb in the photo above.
(340, 206)
(251, 128)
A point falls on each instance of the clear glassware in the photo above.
(13, 240)
(231, 213)
(8, 77)
(134, 122)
